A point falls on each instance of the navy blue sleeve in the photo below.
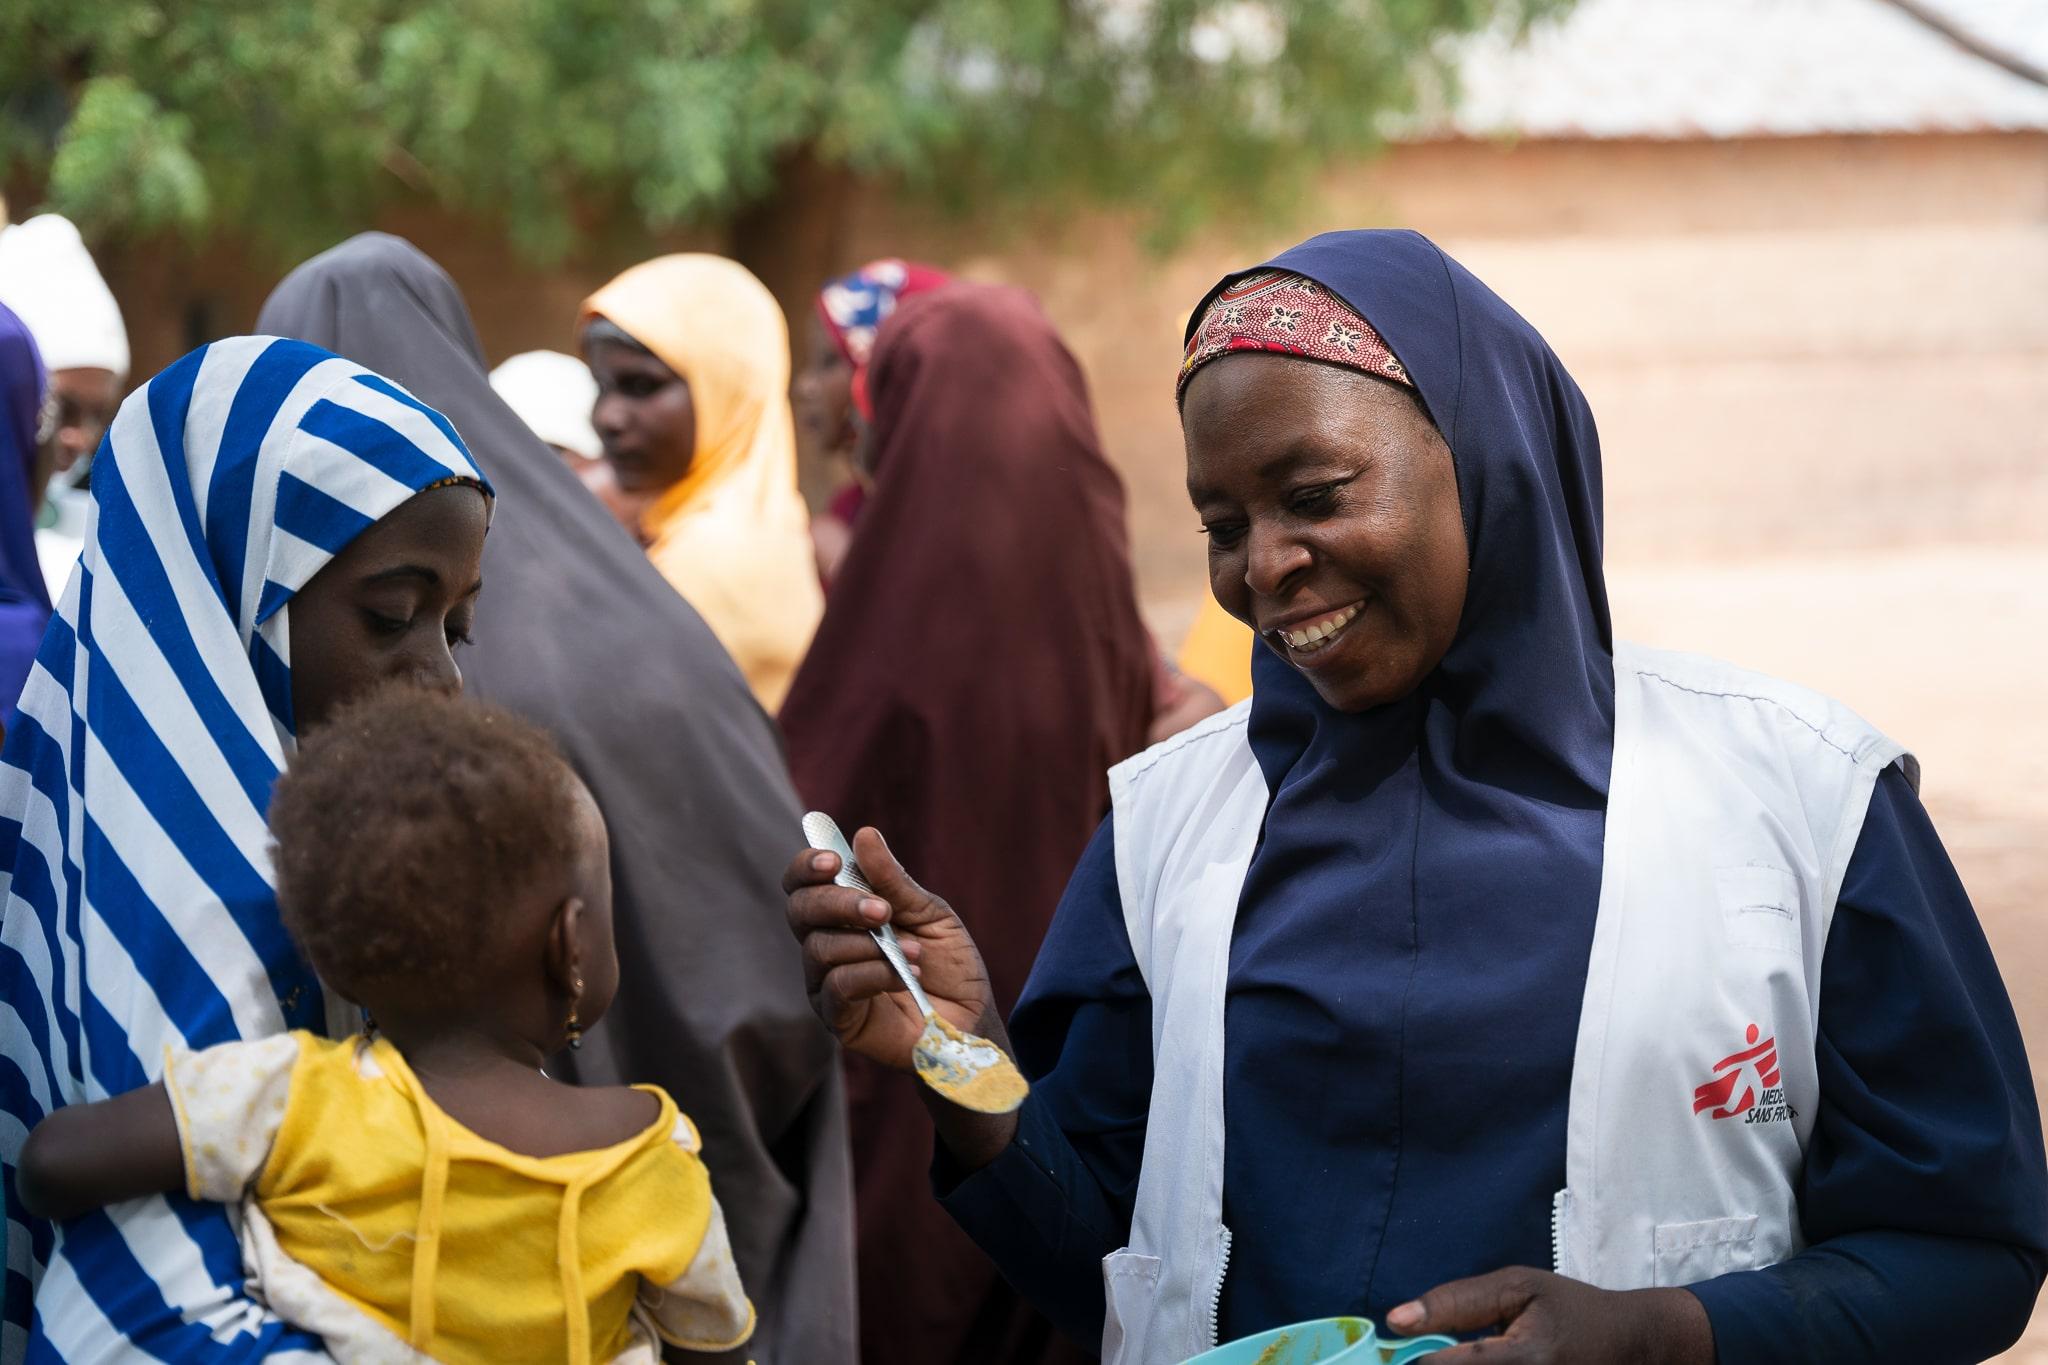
(1059, 1197)
(1925, 1195)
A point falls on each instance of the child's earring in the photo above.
(369, 1023)
(575, 1027)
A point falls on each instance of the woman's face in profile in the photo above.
(393, 605)
(1331, 507)
(823, 393)
(643, 416)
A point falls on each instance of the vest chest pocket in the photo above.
(1690, 1252)
(1759, 906)
(1130, 1283)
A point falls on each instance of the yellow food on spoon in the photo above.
(970, 1071)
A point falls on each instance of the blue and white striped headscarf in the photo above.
(137, 909)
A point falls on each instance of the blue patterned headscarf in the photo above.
(855, 306)
(139, 907)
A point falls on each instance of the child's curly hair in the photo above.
(405, 830)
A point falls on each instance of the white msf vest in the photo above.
(1734, 803)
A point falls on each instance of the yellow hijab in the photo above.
(1218, 651)
(733, 534)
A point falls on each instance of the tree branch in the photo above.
(1974, 44)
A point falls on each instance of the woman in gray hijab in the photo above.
(580, 633)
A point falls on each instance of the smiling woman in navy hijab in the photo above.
(1478, 961)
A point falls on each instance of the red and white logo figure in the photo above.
(1746, 1075)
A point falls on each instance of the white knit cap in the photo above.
(47, 277)
(552, 393)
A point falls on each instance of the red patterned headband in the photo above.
(1274, 310)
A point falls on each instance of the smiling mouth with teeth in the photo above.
(1315, 635)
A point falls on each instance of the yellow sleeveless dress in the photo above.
(374, 1219)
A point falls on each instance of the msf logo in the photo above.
(1745, 1083)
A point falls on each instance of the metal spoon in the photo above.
(968, 1070)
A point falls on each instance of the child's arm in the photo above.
(205, 1129)
(703, 1309)
(86, 1156)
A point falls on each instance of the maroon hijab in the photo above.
(980, 666)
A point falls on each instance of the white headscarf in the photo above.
(47, 277)
(552, 393)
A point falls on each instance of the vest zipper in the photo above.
(1216, 1294)
(1557, 1231)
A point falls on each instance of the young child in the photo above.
(426, 1190)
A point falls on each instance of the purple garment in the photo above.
(24, 600)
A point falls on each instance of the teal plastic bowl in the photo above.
(1326, 1341)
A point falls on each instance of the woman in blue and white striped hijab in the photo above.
(198, 634)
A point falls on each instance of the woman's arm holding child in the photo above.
(86, 1156)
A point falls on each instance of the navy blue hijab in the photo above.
(1412, 937)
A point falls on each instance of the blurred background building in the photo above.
(1796, 251)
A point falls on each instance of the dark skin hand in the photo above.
(395, 604)
(1546, 1319)
(1321, 489)
(858, 995)
(644, 416)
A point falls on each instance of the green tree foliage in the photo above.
(281, 119)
